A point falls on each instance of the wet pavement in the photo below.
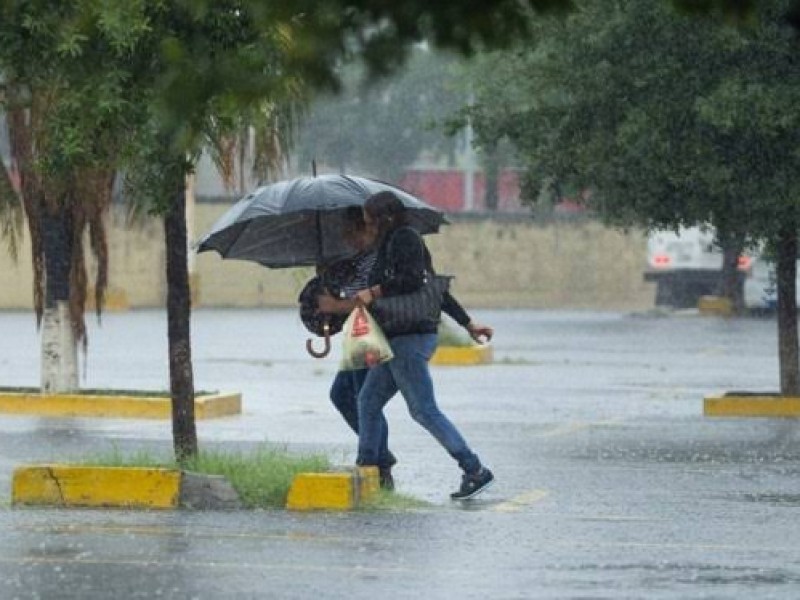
(610, 482)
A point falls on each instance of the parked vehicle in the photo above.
(686, 265)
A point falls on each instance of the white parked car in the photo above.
(686, 265)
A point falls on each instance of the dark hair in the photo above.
(387, 210)
(353, 221)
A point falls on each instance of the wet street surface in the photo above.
(610, 481)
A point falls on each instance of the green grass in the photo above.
(261, 478)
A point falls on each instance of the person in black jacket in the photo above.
(402, 265)
(347, 384)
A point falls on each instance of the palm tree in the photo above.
(62, 205)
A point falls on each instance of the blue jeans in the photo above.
(407, 372)
(344, 395)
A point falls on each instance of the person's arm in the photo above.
(477, 331)
(407, 265)
(453, 308)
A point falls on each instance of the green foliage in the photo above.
(669, 119)
(262, 479)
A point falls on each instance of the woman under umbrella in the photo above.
(400, 268)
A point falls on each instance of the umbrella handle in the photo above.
(326, 328)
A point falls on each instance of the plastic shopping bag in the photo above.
(364, 344)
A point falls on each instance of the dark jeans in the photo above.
(344, 395)
(407, 372)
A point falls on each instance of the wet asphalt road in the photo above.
(610, 482)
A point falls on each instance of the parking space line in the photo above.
(575, 427)
(519, 502)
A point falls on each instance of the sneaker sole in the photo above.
(475, 493)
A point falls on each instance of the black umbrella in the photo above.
(300, 222)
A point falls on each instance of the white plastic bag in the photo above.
(363, 344)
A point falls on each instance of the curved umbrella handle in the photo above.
(326, 328)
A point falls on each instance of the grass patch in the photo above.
(450, 335)
(386, 500)
(261, 478)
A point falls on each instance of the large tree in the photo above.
(672, 120)
(63, 119)
(181, 73)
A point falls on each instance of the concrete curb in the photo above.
(752, 405)
(132, 407)
(78, 486)
(340, 490)
(462, 355)
(715, 306)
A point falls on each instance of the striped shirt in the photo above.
(362, 265)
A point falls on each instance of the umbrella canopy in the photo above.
(300, 221)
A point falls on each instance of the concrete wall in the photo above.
(497, 262)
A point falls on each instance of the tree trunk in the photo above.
(731, 282)
(787, 309)
(184, 432)
(59, 346)
(59, 351)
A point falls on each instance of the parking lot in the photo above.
(610, 482)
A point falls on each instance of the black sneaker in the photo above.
(386, 479)
(472, 485)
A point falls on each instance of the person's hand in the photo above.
(480, 333)
(366, 296)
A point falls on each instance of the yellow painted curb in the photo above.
(463, 355)
(123, 487)
(342, 490)
(715, 306)
(96, 405)
(731, 405)
(310, 491)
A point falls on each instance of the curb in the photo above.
(752, 405)
(715, 306)
(131, 407)
(462, 355)
(340, 490)
(78, 486)
(123, 487)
